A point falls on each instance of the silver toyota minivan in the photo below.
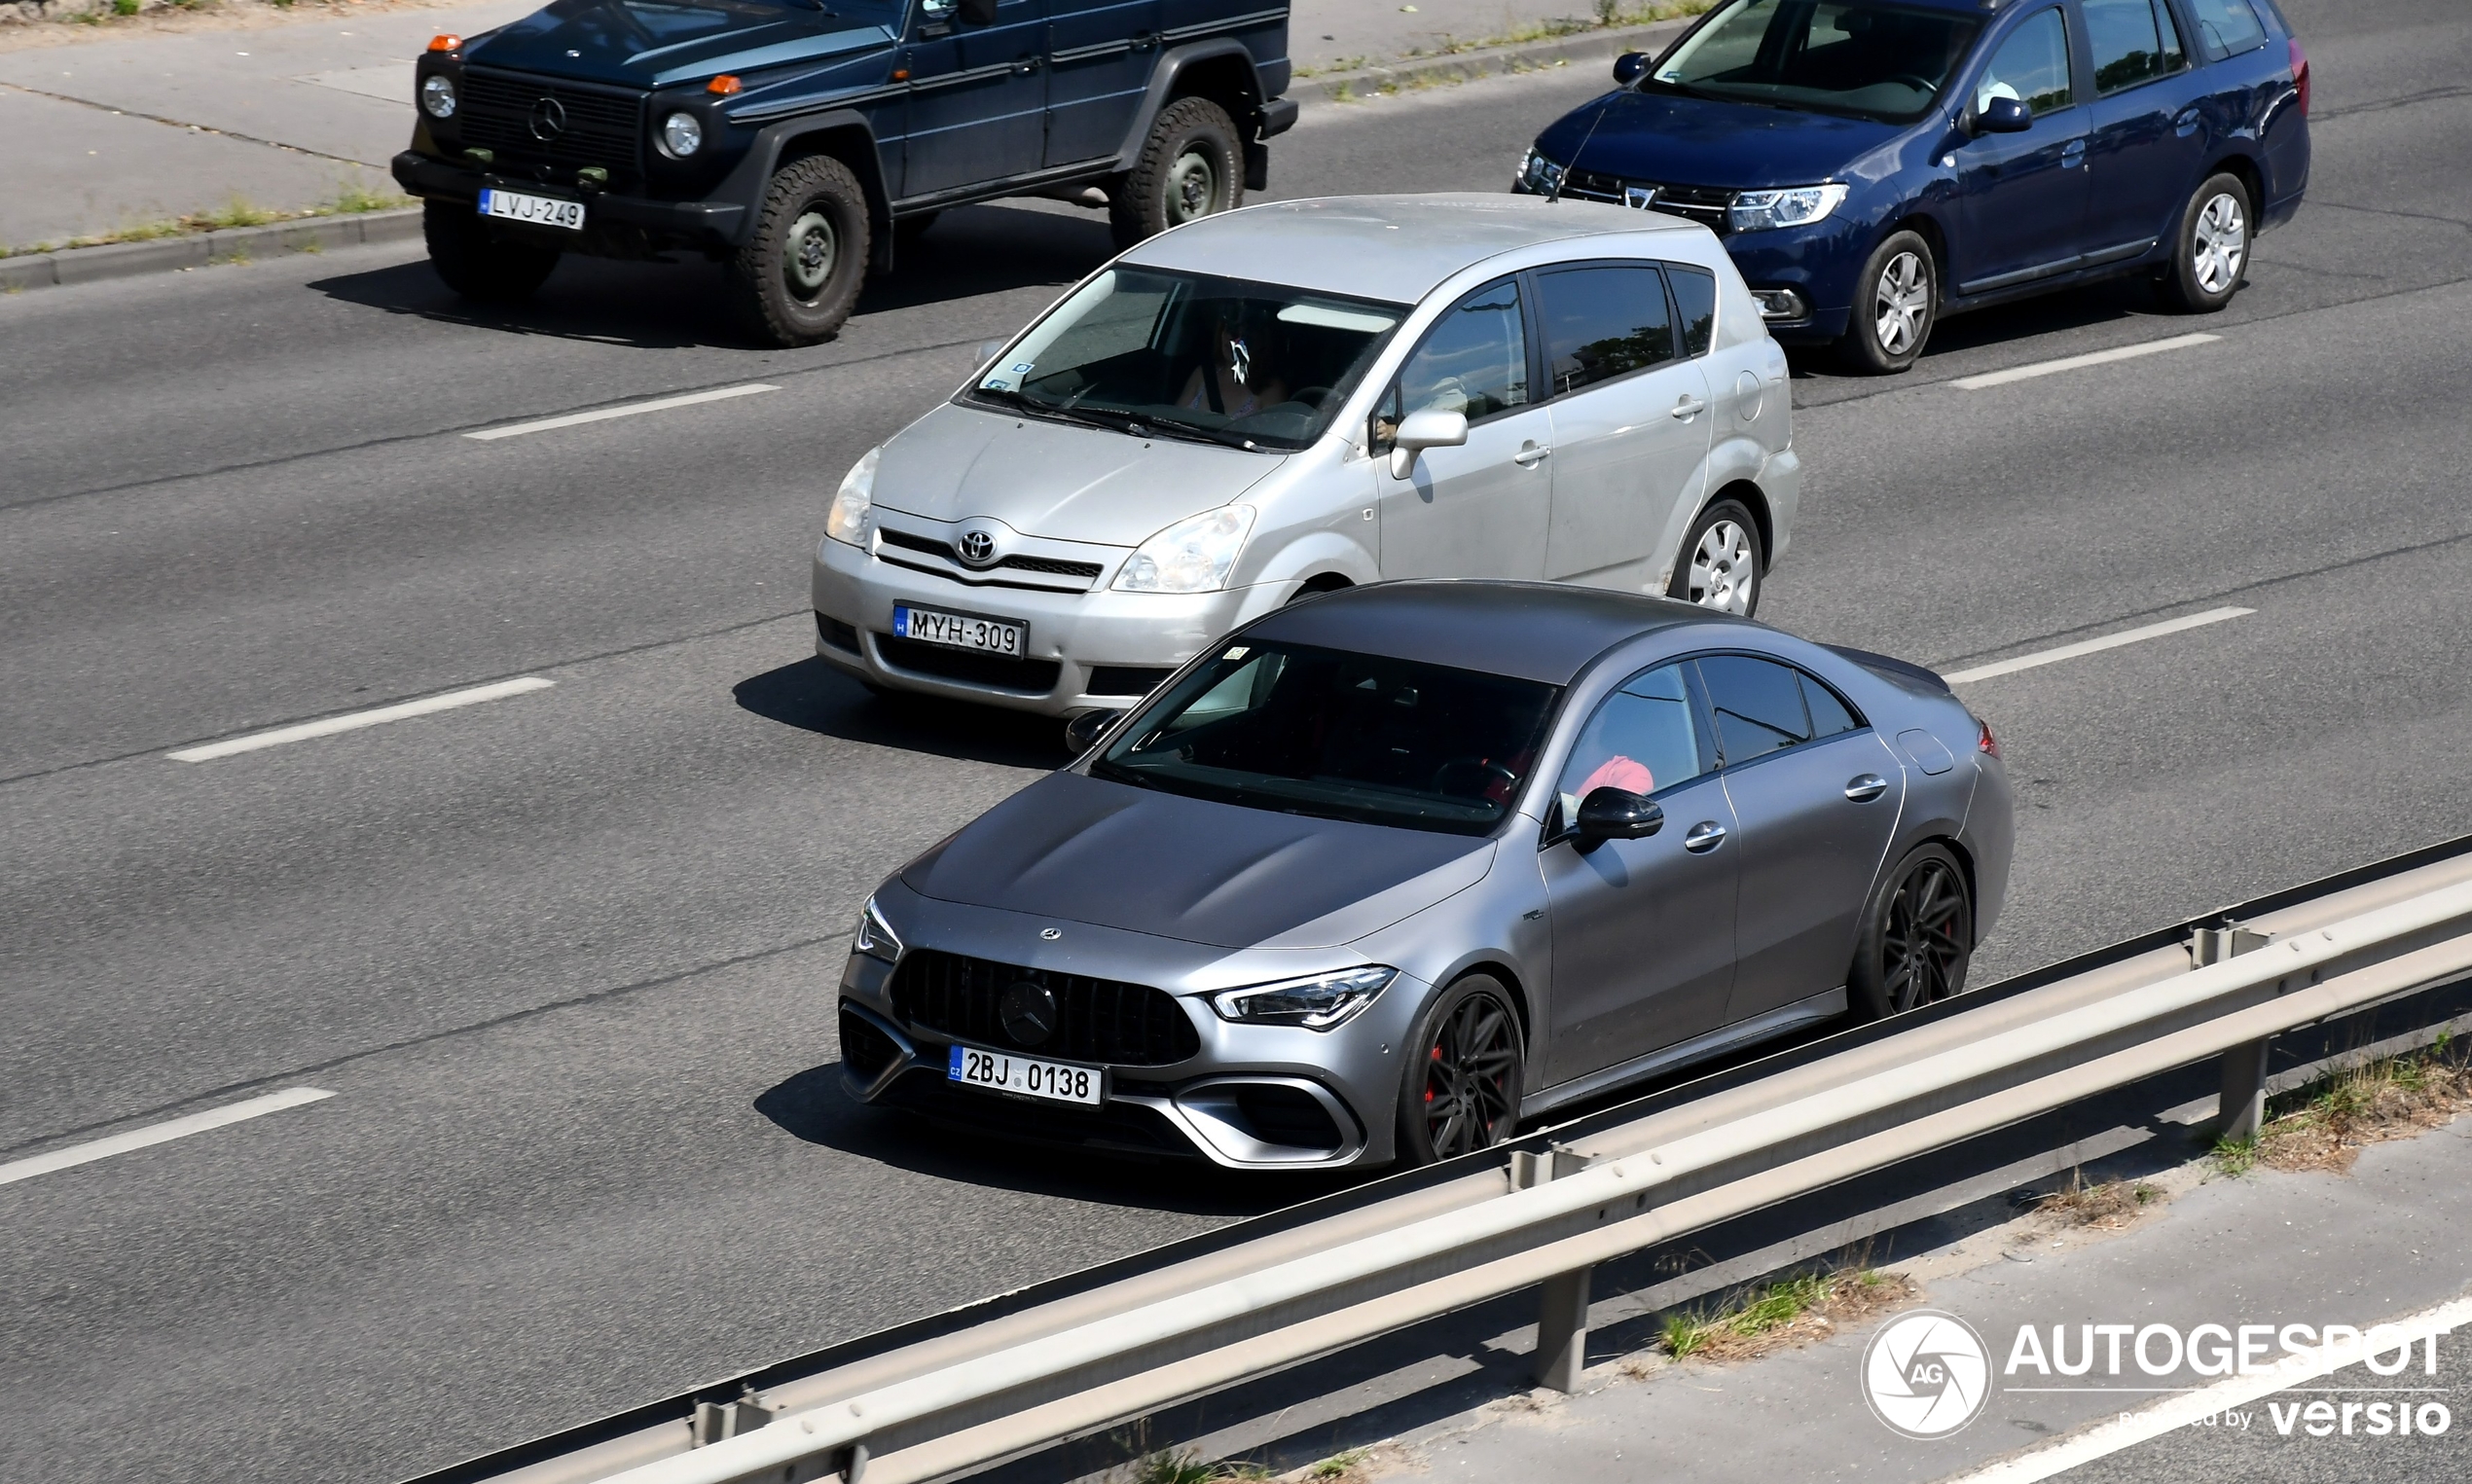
(1309, 395)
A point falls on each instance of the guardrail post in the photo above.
(2240, 1106)
(1562, 1322)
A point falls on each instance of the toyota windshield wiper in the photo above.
(1061, 412)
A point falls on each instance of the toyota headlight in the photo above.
(1799, 207)
(1317, 1003)
(683, 134)
(437, 96)
(1540, 174)
(854, 504)
(874, 937)
(1191, 555)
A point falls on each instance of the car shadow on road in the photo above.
(814, 697)
(2097, 304)
(972, 251)
(813, 1107)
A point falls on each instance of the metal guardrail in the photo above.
(998, 1381)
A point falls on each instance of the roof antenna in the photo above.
(1555, 194)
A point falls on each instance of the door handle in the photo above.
(2187, 123)
(1026, 66)
(1864, 788)
(1530, 456)
(1705, 836)
(2072, 153)
(1688, 407)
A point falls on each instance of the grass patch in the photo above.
(1186, 1466)
(1337, 1464)
(1793, 1311)
(2326, 1124)
(2109, 1205)
(239, 211)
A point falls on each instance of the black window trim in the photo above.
(1862, 723)
(1541, 361)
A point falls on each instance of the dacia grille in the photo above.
(602, 127)
(1097, 1019)
(1704, 204)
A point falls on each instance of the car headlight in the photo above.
(854, 504)
(1540, 174)
(1317, 1003)
(1191, 555)
(875, 937)
(683, 134)
(437, 96)
(1798, 206)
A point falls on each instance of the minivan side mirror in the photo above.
(1608, 812)
(2003, 116)
(1629, 69)
(1426, 428)
(1084, 729)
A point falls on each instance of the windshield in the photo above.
(1845, 56)
(1340, 735)
(1255, 364)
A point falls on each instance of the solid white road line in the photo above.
(604, 415)
(355, 720)
(2134, 1427)
(161, 1133)
(2093, 646)
(2067, 363)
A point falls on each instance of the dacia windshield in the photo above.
(1886, 62)
(1153, 351)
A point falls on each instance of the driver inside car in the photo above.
(1639, 741)
(1237, 379)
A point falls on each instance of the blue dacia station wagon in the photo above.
(1872, 164)
(798, 141)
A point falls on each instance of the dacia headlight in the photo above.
(1317, 1003)
(1191, 555)
(854, 504)
(875, 937)
(1540, 174)
(437, 96)
(1798, 206)
(683, 134)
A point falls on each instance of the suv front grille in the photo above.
(603, 127)
(1097, 1019)
(1704, 204)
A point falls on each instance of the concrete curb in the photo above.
(123, 260)
(1366, 84)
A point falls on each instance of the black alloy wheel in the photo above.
(476, 263)
(798, 275)
(1918, 938)
(1462, 1082)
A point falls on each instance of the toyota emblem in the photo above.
(975, 548)
(548, 119)
(1028, 1011)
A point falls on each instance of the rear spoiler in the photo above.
(1889, 668)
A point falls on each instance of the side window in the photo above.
(1759, 705)
(1695, 299)
(1643, 737)
(1602, 322)
(2031, 66)
(1473, 361)
(2226, 28)
(1829, 715)
(2134, 41)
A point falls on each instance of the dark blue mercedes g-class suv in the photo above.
(798, 141)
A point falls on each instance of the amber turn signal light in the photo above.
(723, 86)
(446, 43)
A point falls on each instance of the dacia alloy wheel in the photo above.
(1923, 943)
(2220, 244)
(1900, 304)
(1471, 1078)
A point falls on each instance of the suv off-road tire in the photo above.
(797, 277)
(1895, 304)
(477, 264)
(1191, 167)
(2210, 250)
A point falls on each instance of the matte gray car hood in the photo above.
(1055, 480)
(1084, 850)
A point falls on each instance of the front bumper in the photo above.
(696, 224)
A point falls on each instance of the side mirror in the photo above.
(1616, 813)
(1428, 428)
(978, 12)
(2003, 116)
(1084, 729)
(1629, 69)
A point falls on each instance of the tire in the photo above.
(1901, 963)
(1466, 1053)
(1895, 304)
(797, 277)
(1192, 166)
(1721, 564)
(477, 264)
(2210, 252)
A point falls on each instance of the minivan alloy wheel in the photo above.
(2220, 244)
(1725, 568)
(1900, 303)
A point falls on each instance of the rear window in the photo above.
(2226, 28)
(1695, 297)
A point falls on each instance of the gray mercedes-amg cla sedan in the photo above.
(1384, 873)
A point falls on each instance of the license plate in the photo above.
(960, 630)
(1027, 1078)
(537, 211)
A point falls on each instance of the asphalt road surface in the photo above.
(567, 960)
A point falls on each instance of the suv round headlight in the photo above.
(683, 134)
(437, 96)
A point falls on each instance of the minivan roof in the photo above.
(1394, 248)
(1534, 630)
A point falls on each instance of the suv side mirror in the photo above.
(978, 12)
(1426, 428)
(1608, 812)
(1629, 69)
(2003, 116)
(1084, 729)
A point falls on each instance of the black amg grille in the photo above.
(602, 129)
(1704, 204)
(1030, 677)
(1097, 1019)
(1054, 566)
